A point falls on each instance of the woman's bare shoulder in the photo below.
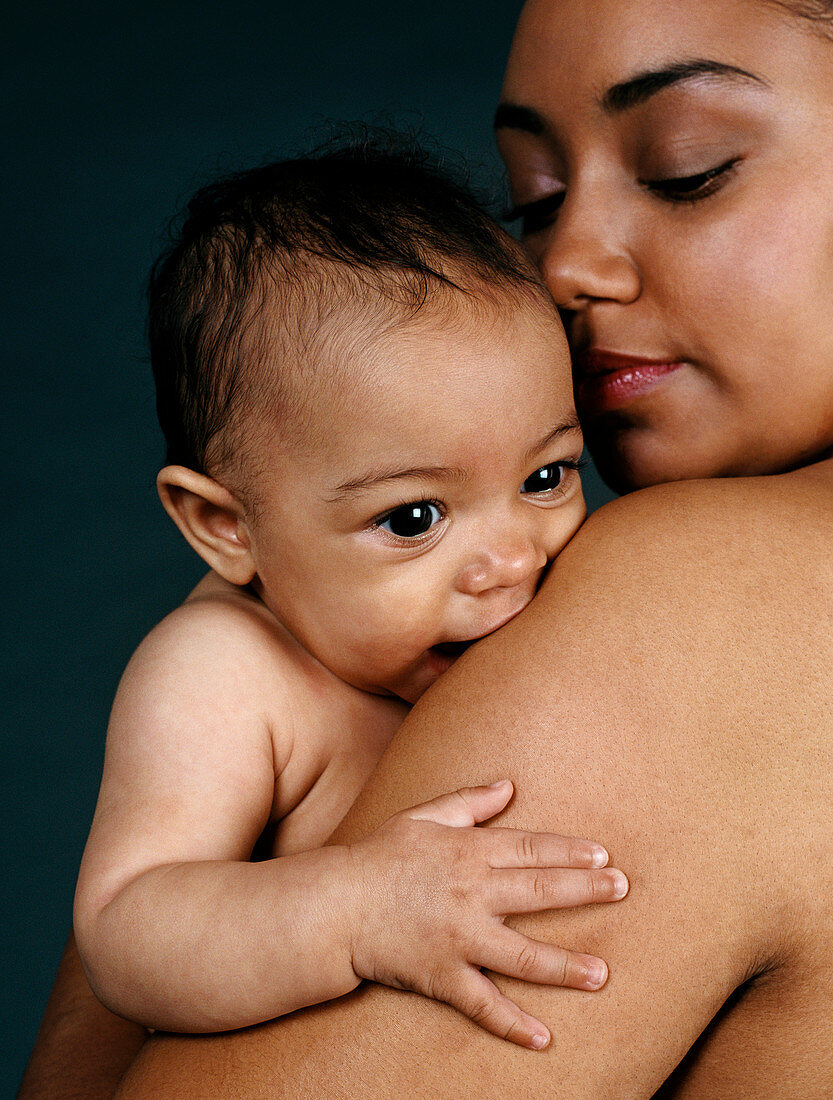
(741, 510)
(736, 507)
(662, 695)
(719, 536)
(646, 699)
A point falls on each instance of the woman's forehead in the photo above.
(587, 46)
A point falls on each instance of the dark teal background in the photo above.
(113, 115)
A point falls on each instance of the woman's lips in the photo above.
(606, 380)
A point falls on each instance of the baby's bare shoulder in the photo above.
(219, 657)
(218, 628)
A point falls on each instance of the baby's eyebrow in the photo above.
(567, 427)
(436, 473)
(380, 477)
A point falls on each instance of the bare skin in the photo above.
(680, 701)
(255, 712)
(672, 163)
(681, 648)
(82, 1049)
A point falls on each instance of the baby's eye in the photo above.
(409, 521)
(545, 479)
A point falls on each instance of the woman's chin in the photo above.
(627, 461)
(680, 430)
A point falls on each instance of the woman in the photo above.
(669, 690)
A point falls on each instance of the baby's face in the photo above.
(429, 497)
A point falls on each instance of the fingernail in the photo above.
(538, 1042)
(620, 885)
(596, 974)
(600, 856)
(500, 783)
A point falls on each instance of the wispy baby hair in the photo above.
(265, 256)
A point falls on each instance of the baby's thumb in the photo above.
(465, 807)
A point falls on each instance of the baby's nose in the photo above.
(507, 563)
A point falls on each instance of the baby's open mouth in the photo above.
(453, 649)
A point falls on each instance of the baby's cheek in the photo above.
(572, 518)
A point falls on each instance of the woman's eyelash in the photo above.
(539, 213)
(535, 215)
(691, 188)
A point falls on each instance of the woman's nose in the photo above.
(504, 563)
(585, 259)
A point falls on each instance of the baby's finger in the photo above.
(530, 891)
(480, 999)
(510, 953)
(519, 848)
(464, 807)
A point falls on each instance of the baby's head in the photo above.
(366, 395)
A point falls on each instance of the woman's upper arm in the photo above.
(82, 1048)
(639, 702)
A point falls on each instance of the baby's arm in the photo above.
(176, 928)
(179, 931)
(447, 888)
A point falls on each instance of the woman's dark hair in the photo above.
(297, 239)
(817, 11)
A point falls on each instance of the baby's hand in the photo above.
(439, 891)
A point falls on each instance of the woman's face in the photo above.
(672, 164)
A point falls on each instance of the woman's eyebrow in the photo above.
(630, 93)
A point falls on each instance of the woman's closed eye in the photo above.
(537, 214)
(692, 188)
(411, 521)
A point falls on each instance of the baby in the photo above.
(366, 395)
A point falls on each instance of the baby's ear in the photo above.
(211, 519)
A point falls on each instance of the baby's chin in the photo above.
(427, 670)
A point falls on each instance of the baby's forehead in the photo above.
(371, 349)
(366, 339)
(339, 370)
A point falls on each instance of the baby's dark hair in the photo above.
(265, 258)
